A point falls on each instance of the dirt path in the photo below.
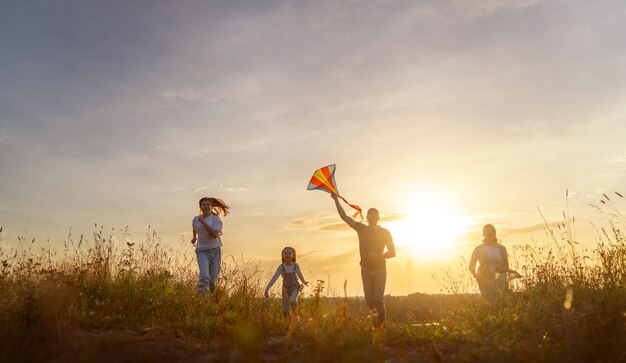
(152, 345)
(108, 346)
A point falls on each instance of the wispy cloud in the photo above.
(328, 259)
(394, 216)
(328, 222)
(332, 222)
(220, 187)
(482, 8)
(529, 229)
(199, 189)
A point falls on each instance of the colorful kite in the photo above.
(324, 179)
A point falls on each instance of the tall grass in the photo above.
(570, 305)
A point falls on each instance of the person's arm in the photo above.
(472, 264)
(391, 248)
(342, 213)
(218, 225)
(195, 233)
(299, 273)
(505, 258)
(208, 228)
(272, 281)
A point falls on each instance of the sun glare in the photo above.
(430, 227)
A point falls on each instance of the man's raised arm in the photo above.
(342, 213)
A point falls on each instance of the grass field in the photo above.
(95, 302)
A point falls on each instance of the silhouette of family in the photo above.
(375, 247)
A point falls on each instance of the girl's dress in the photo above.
(291, 286)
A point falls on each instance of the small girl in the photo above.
(290, 271)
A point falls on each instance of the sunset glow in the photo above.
(431, 227)
(443, 115)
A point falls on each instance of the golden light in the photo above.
(430, 227)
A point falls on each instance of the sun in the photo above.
(430, 227)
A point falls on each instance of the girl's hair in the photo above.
(285, 249)
(204, 199)
(219, 205)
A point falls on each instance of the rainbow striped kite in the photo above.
(324, 179)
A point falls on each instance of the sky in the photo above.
(444, 115)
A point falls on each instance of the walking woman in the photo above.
(494, 265)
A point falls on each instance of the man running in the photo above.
(372, 242)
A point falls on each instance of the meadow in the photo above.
(98, 301)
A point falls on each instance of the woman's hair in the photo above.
(491, 239)
(219, 205)
(283, 251)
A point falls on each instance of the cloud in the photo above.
(394, 216)
(529, 229)
(220, 187)
(185, 95)
(198, 190)
(483, 8)
(324, 222)
(3, 135)
(332, 222)
(324, 259)
(237, 89)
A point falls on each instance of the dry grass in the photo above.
(569, 306)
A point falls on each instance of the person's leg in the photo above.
(501, 288)
(487, 289)
(215, 263)
(285, 302)
(368, 287)
(501, 282)
(380, 281)
(293, 300)
(482, 287)
(203, 275)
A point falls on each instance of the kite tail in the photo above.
(358, 213)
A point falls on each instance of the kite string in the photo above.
(358, 213)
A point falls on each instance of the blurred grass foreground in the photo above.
(96, 301)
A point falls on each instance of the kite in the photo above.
(324, 179)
